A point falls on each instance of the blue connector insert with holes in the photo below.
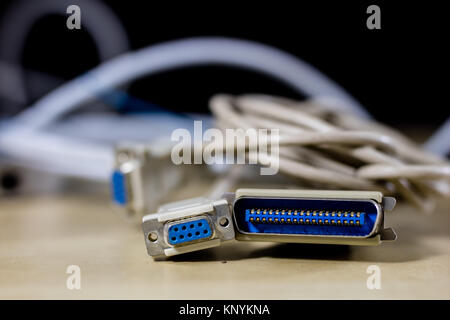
(321, 217)
(184, 232)
(119, 188)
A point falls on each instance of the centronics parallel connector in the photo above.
(311, 216)
(187, 226)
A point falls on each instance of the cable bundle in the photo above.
(326, 148)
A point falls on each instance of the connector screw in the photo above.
(223, 222)
(152, 236)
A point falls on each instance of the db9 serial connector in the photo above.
(187, 226)
(311, 216)
(143, 176)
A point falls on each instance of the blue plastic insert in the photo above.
(119, 188)
(185, 232)
(306, 216)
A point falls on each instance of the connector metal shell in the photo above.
(376, 236)
(142, 178)
(156, 226)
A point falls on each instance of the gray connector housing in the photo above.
(155, 226)
(380, 234)
(149, 176)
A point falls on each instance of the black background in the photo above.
(400, 73)
(279, 309)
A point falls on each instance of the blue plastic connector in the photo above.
(186, 232)
(119, 188)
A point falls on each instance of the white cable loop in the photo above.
(329, 148)
(131, 66)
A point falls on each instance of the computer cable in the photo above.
(329, 148)
(16, 137)
(329, 151)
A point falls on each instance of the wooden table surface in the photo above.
(41, 235)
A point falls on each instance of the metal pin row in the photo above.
(307, 213)
(313, 221)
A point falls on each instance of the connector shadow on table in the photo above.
(402, 253)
